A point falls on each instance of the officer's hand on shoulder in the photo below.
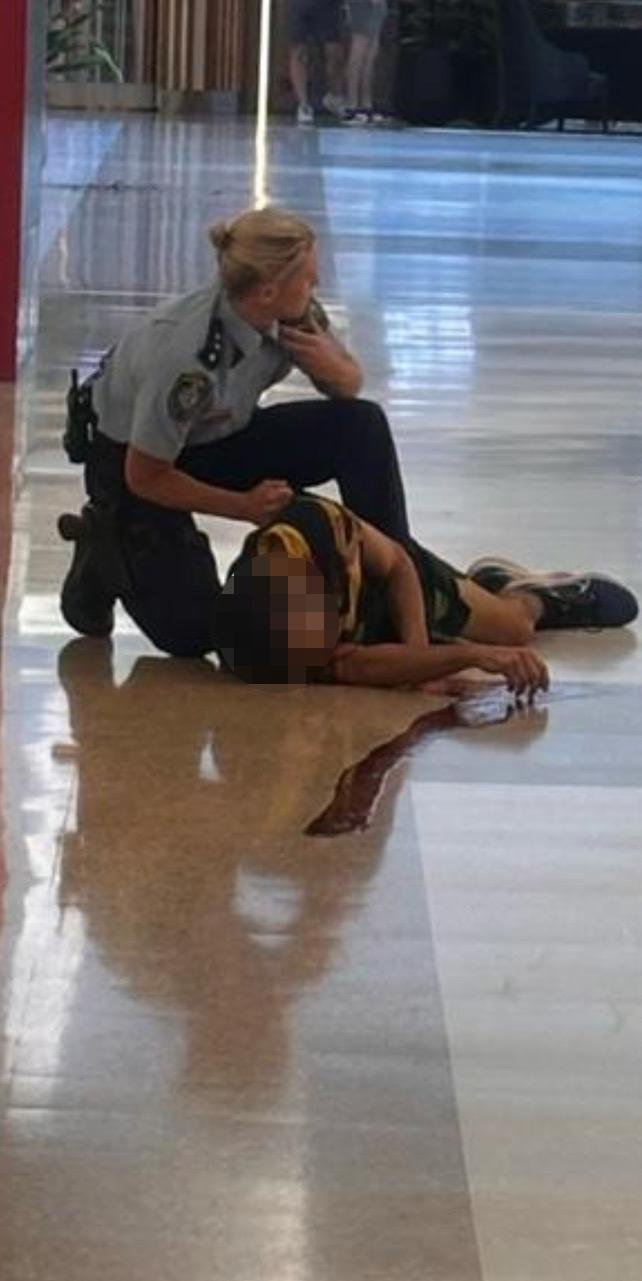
(265, 501)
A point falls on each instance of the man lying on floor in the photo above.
(318, 594)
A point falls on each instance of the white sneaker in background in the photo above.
(335, 104)
(355, 118)
(304, 115)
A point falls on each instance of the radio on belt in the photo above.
(82, 420)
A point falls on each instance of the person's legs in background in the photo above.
(299, 77)
(333, 99)
(317, 21)
(328, 31)
(367, 91)
(298, 28)
(357, 59)
(365, 20)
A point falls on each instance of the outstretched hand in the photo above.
(524, 671)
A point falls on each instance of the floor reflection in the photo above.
(231, 1050)
(358, 791)
(186, 857)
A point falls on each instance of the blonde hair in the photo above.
(258, 246)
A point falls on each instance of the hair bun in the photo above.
(221, 236)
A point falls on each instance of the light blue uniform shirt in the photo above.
(155, 393)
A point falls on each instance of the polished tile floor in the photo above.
(233, 1050)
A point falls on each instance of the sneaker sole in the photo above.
(561, 580)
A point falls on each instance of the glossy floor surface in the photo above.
(234, 1051)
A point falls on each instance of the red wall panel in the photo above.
(13, 29)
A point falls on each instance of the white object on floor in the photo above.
(335, 104)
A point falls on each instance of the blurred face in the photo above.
(291, 296)
(303, 618)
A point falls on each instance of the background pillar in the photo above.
(201, 53)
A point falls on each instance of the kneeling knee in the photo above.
(370, 411)
(369, 418)
(185, 649)
(194, 640)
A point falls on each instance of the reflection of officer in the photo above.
(170, 921)
(179, 432)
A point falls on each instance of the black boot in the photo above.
(86, 602)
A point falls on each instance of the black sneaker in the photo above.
(570, 600)
(590, 601)
(86, 603)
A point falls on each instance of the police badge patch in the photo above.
(191, 398)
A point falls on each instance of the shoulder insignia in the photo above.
(192, 396)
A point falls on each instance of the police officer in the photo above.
(176, 431)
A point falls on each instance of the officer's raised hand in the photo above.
(265, 501)
(319, 354)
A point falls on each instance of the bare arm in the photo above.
(161, 482)
(395, 665)
(415, 661)
(388, 561)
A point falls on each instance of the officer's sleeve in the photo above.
(164, 408)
